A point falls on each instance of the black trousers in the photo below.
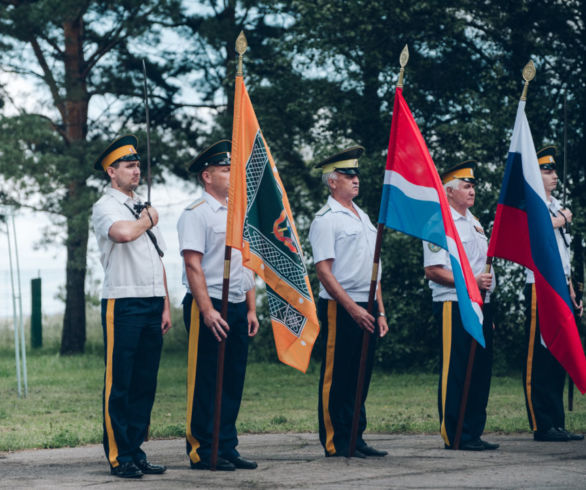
(338, 376)
(201, 380)
(543, 375)
(133, 341)
(453, 365)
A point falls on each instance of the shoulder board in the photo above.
(195, 204)
(323, 210)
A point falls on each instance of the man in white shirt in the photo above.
(459, 183)
(543, 376)
(343, 239)
(202, 242)
(135, 309)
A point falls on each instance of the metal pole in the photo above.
(16, 349)
(148, 132)
(565, 148)
(21, 319)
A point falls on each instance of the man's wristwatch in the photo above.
(382, 314)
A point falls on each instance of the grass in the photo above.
(63, 407)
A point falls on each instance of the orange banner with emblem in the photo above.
(261, 226)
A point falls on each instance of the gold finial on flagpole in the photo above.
(528, 75)
(403, 59)
(241, 46)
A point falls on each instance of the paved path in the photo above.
(296, 461)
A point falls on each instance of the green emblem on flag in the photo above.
(270, 235)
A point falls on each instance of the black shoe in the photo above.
(370, 451)
(221, 465)
(489, 446)
(571, 435)
(474, 445)
(243, 464)
(551, 435)
(148, 468)
(126, 470)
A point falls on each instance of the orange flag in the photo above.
(261, 226)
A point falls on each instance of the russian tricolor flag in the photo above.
(523, 233)
(414, 202)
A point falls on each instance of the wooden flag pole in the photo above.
(241, 46)
(528, 75)
(466, 389)
(365, 343)
(403, 59)
(220, 365)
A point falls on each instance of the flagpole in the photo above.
(471, 356)
(567, 228)
(403, 59)
(241, 46)
(528, 75)
(220, 365)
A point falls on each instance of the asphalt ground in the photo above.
(297, 461)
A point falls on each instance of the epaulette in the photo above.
(323, 210)
(195, 204)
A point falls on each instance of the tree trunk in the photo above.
(73, 335)
(77, 208)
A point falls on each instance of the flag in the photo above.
(261, 226)
(523, 233)
(414, 202)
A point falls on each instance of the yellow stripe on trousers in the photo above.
(328, 374)
(530, 351)
(191, 372)
(112, 446)
(447, 350)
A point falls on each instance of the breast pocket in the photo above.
(217, 237)
(348, 235)
(348, 244)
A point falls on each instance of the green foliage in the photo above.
(462, 83)
(321, 76)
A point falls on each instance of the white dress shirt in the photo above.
(554, 207)
(133, 269)
(475, 245)
(337, 233)
(202, 228)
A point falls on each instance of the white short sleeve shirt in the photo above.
(202, 228)
(337, 233)
(133, 269)
(563, 240)
(475, 245)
